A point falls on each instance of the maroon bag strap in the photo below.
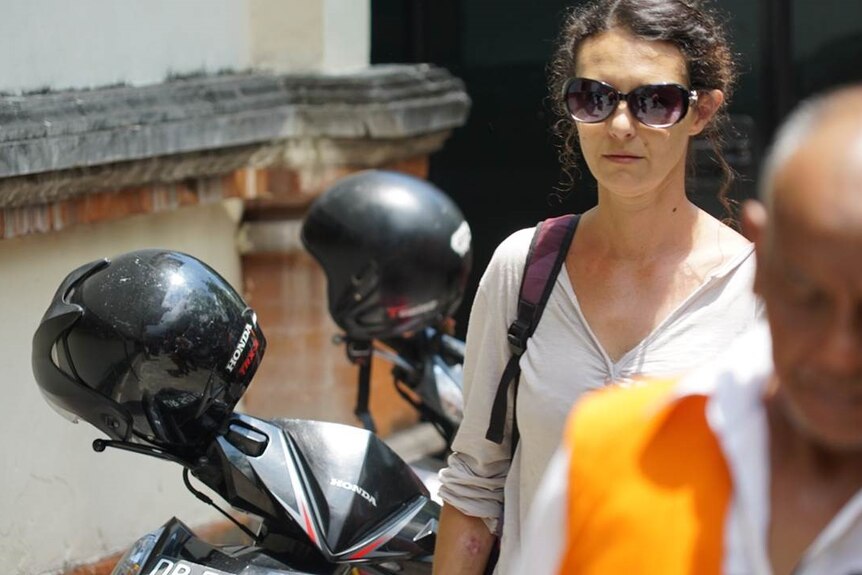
(547, 253)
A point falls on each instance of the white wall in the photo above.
(61, 502)
(57, 44)
(310, 35)
(346, 34)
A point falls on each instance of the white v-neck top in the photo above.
(563, 360)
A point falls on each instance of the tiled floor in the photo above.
(303, 375)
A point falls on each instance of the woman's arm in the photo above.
(473, 484)
(463, 544)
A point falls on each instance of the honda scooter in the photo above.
(331, 498)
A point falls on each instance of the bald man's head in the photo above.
(808, 238)
(827, 128)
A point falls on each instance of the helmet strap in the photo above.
(359, 352)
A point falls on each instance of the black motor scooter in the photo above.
(331, 498)
(396, 252)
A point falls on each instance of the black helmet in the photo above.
(153, 345)
(395, 249)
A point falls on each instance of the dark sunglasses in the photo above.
(654, 105)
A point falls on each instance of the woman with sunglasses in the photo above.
(651, 285)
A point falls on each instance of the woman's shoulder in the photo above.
(721, 249)
(514, 248)
(505, 269)
(732, 239)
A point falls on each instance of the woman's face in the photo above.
(626, 157)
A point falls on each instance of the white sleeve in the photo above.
(477, 469)
(545, 533)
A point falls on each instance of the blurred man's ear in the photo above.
(754, 221)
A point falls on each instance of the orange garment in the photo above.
(648, 486)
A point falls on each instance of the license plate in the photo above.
(179, 567)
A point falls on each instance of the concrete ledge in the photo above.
(59, 131)
(312, 158)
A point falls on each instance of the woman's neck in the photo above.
(644, 226)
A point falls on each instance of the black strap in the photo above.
(363, 396)
(498, 410)
(359, 353)
(548, 250)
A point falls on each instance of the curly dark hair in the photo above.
(689, 25)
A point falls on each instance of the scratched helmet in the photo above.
(150, 346)
(395, 249)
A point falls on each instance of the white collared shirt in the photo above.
(736, 414)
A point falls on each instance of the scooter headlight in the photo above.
(133, 561)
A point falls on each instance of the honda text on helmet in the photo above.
(395, 249)
(152, 346)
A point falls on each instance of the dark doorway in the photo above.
(501, 167)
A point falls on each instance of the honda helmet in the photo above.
(151, 346)
(395, 249)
